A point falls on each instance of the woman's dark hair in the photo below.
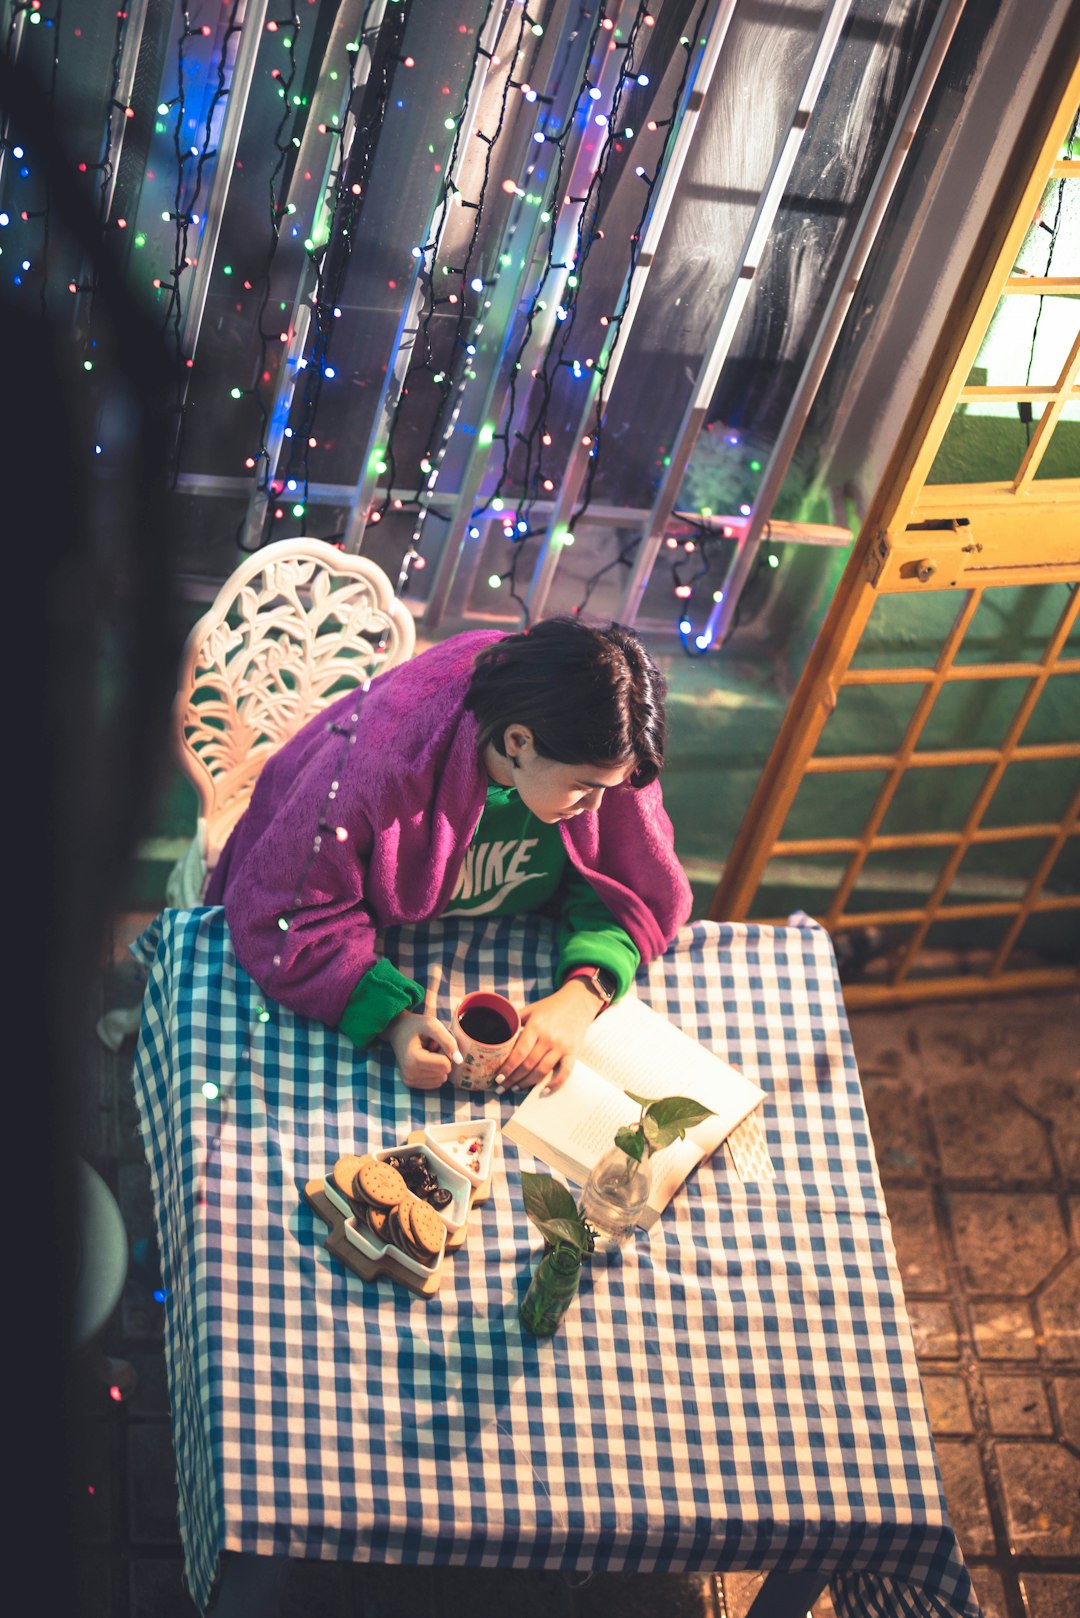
(589, 696)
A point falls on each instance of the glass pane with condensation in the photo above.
(933, 799)
(958, 948)
(1013, 624)
(1048, 939)
(1064, 874)
(998, 872)
(869, 717)
(1026, 343)
(803, 882)
(985, 446)
(1056, 715)
(896, 879)
(833, 805)
(1033, 790)
(907, 630)
(972, 713)
(1062, 457)
(1052, 245)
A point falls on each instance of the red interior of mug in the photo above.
(482, 1000)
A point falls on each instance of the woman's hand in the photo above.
(425, 1050)
(552, 1031)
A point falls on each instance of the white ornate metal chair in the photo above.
(296, 625)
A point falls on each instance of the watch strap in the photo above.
(595, 977)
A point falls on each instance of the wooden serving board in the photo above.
(338, 1245)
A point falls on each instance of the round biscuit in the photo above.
(344, 1172)
(378, 1183)
(427, 1228)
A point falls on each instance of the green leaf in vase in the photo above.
(630, 1140)
(564, 1233)
(553, 1211)
(669, 1119)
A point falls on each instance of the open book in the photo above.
(632, 1048)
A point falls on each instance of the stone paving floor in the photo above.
(976, 1122)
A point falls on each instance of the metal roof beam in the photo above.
(685, 125)
(723, 332)
(722, 617)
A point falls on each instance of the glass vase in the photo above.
(615, 1193)
(551, 1291)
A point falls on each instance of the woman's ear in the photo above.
(517, 740)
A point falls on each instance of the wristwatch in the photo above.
(602, 982)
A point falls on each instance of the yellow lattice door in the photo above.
(959, 826)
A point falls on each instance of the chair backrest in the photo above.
(296, 625)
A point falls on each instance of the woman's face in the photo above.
(553, 791)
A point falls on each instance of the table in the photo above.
(736, 1389)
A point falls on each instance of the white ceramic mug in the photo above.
(482, 1059)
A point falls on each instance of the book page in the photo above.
(670, 1169)
(632, 1048)
(578, 1121)
(635, 1048)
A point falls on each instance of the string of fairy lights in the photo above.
(54, 70)
(283, 145)
(423, 356)
(332, 258)
(517, 527)
(443, 350)
(187, 194)
(463, 287)
(113, 105)
(536, 481)
(554, 142)
(355, 145)
(451, 376)
(1025, 409)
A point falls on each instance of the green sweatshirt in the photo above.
(515, 863)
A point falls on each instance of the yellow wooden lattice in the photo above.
(921, 537)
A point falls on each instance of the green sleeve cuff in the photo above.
(381, 993)
(589, 935)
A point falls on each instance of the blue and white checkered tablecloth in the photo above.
(736, 1389)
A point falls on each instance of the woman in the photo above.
(491, 775)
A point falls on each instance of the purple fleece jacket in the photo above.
(409, 794)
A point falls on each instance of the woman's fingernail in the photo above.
(457, 1058)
